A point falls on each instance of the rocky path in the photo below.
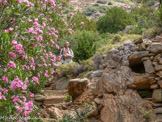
(131, 70)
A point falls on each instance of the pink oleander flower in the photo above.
(18, 47)
(29, 20)
(11, 29)
(12, 55)
(6, 31)
(38, 75)
(17, 84)
(5, 79)
(70, 30)
(19, 109)
(82, 23)
(35, 79)
(46, 73)
(14, 42)
(11, 64)
(52, 72)
(31, 30)
(21, 52)
(16, 99)
(2, 96)
(59, 58)
(57, 47)
(26, 80)
(71, 14)
(31, 94)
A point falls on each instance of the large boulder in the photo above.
(76, 87)
(135, 58)
(148, 66)
(124, 107)
(155, 48)
(142, 81)
(114, 80)
(157, 95)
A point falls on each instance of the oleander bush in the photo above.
(29, 34)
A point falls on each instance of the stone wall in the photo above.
(130, 69)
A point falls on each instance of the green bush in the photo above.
(86, 46)
(67, 98)
(116, 38)
(151, 32)
(66, 70)
(101, 1)
(144, 17)
(93, 9)
(115, 20)
(110, 3)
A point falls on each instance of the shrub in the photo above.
(101, 1)
(110, 3)
(115, 20)
(86, 46)
(66, 70)
(93, 9)
(144, 17)
(116, 38)
(147, 114)
(151, 32)
(67, 98)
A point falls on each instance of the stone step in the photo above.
(48, 88)
(159, 38)
(53, 100)
(54, 92)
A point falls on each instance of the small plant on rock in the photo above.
(67, 98)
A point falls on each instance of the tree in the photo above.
(85, 48)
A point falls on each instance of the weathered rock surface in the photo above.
(136, 57)
(61, 84)
(142, 81)
(158, 67)
(39, 97)
(149, 67)
(125, 107)
(94, 74)
(76, 87)
(155, 48)
(157, 95)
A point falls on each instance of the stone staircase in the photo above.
(49, 99)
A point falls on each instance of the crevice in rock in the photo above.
(137, 68)
(145, 93)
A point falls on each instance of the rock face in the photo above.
(94, 74)
(124, 107)
(76, 87)
(61, 84)
(142, 81)
(114, 80)
(136, 57)
(123, 71)
(157, 95)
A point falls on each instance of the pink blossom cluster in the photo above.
(18, 48)
(26, 1)
(70, 30)
(11, 64)
(5, 79)
(2, 92)
(25, 108)
(17, 84)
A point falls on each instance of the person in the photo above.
(66, 54)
